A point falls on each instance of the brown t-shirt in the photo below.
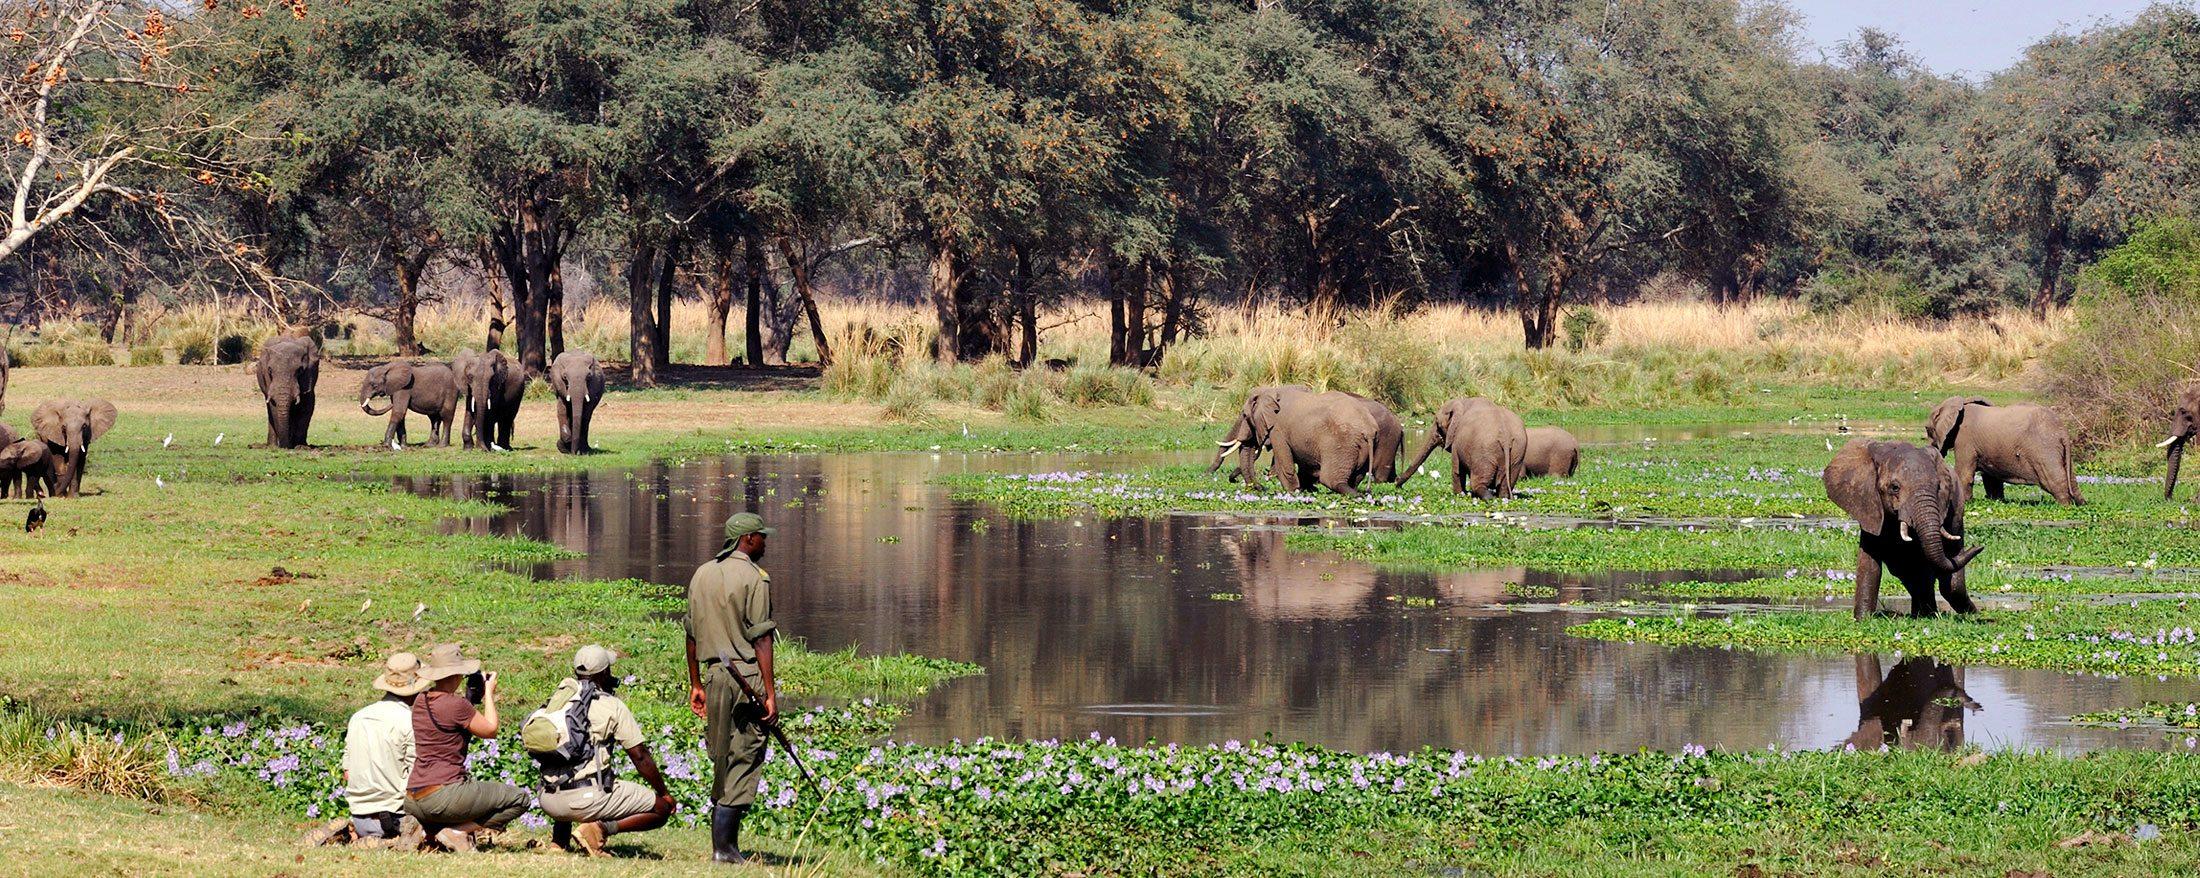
(440, 739)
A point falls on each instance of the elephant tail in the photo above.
(2070, 477)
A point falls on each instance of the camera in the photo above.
(477, 687)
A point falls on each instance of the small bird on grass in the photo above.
(363, 607)
(419, 609)
(218, 438)
(171, 440)
(37, 518)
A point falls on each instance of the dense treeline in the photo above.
(995, 156)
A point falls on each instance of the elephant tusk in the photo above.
(2172, 440)
(1228, 445)
(1906, 532)
(1953, 538)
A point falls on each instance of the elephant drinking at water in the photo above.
(1488, 445)
(2182, 424)
(68, 427)
(577, 379)
(428, 388)
(1906, 505)
(2025, 444)
(287, 370)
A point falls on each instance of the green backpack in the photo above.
(558, 739)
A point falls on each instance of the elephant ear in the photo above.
(399, 376)
(1852, 483)
(7, 436)
(1444, 414)
(1951, 509)
(1947, 419)
(46, 421)
(103, 417)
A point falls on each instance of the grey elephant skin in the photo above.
(1321, 438)
(495, 384)
(430, 389)
(1553, 452)
(1390, 438)
(462, 371)
(288, 369)
(2182, 424)
(577, 380)
(1488, 445)
(26, 467)
(1904, 500)
(2025, 444)
(69, 427)
(1917, 706)
(1255, 419)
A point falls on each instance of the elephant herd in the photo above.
(1908, 501)
(487, 387)
(1339, 440)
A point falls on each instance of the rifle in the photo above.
(771, 725)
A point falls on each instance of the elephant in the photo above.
(577, 379)
(462, 372)
(1904, 500)
(495, 383)
(1487, 442)
(69, 427)
(2025, 444)
(2182, 425)
(428, 388)
(26, 467)
(1918, 705)
(1553, 452)
(1327, 438)
(1255, 419)
(288, 368)
(1390, 438)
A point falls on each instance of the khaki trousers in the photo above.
(733, 732)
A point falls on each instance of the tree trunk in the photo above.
(1539, 294)
(1118, 313)
(1174, 294)
(752, 257)
(799, 271)
(1027, 309)
(721, 307)
(2051, 263)
(667, 275)
(406, 316)
(944, 282)
(553, 308)
(531, 292)
(492, 276)
(641, 270)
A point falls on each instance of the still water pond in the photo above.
(1088, 625)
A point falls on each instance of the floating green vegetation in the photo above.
(2170, 716)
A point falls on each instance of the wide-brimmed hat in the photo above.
(593, 659)
(446, 661)
(401, 676)
(742, 524)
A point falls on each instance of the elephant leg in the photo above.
(274, 437)
(1959, 597)
(1337, 475)
(1923, 605)
(1458, 473)
(1994, 489)
(1867, 583)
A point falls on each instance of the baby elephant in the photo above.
(26, 467)
(577, 379)
(1904, 500)
(1488, 444)
(1553, 452)
(2025, 444)
(428, 388)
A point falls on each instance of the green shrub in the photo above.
(1086, 386)
(1835, 290)
(1584, 328)
(146, 355)
(908, 399)
(1030, 400)
(2137, 338)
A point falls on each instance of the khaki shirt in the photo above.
(378, 757)
(729, 609)
(610, 724)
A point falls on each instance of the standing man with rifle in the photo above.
(729, 651)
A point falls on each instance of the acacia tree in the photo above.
(2084, 136)
(106, 98)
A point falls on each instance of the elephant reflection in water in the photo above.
(1280, 584)
(1918, 705)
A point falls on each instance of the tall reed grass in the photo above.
(1651, 354)
(74, 756)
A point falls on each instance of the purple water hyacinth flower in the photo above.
(533, 820)
(234, 730)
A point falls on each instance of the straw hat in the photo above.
(446, 661)
(401, 676)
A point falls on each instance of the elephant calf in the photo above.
(2183, 424)
(428, 388)
(1553, 452)
(1488, 444)
(577, 379)
(1904, 500)
(26, 467)
(2025, 444)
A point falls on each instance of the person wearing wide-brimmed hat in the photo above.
(438, 793)
(729, 631)
(378, 757)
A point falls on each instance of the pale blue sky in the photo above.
(1971, 37)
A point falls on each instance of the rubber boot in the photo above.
(725, 833)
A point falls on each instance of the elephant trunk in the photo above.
(2176, 458)
(283, 433)
(367, 394)
(1924, 521)
(1222, 451)
(577, 418)
(1434, 439)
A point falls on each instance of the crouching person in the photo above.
(378, 759)
(457, 812)
(572, 738)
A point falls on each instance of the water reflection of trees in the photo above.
(1067, 615)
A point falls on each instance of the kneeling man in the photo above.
(572, 738)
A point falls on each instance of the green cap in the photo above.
(744, 523)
